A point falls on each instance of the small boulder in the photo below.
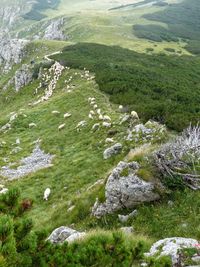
(113, 150)
(65, 234)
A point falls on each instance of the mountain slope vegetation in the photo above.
(156, 86)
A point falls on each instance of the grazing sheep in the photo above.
(92, 102)
(106, 124)
(134, 115)
(99, 111)
(95, 106)
(107, 118)
(55, 112)
(62, 126)
(31, 125)
(92, 112)
(80, 124)
(47, 193)
(67, 115)
(100, 117)
(90, 116)
(121, 107)
(109, 140)
(95, 127)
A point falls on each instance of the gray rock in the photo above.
(54, 30)
(36, 161)
(23, 76)
(127, 230)
(171, 247)
(111, 151)
(125, 218)
(124, 189)
(11, 51)
(196, 258)
(65, 234)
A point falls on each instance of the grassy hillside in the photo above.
(161, 87)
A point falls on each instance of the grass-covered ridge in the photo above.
(159, 87)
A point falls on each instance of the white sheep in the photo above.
(120, 107)
(106, 124)
(100, 117)
(62, 126)
(106, 118)
(95, 127)
(109, 140)
(134, 115)
(67, 115)
(31, 125)
(55, 112)
(47, 193)
(95, 106)
(99, 111)
(92, 112)
(90, 116)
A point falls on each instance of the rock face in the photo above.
(23, 76)
(11, 51)
(172, 247)
(65, 234)
(124, 189)
(111, 151)
(36, 161)
(54, 30)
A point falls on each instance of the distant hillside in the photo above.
(183, 21)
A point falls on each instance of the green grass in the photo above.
(79, 156)
(156, 86)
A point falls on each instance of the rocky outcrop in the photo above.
(65, 234)
(111, 151)
(172, 247)
(54, 30)
(11, 51)
(36, 161)
(23, 76)
(124, 189)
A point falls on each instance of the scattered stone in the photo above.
(171, 247)
(36, 161)
(124, 118)
(125, 218)
(124, 189)
(127, 230)
(196, 258)
(65, 234)
(113, 150)
(3, 190)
